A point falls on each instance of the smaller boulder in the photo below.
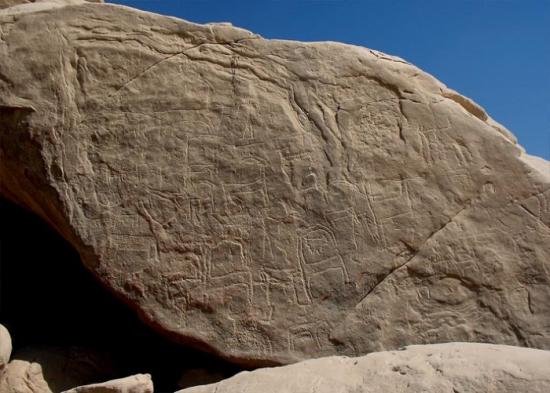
(5, 347)
(21, 376)
(139, 383)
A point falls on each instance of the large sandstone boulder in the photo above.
(271, 200)
(453, 368)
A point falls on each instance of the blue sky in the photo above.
(496, 52)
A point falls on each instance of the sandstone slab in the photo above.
(269, 200)
(140, 383)
(455, 367)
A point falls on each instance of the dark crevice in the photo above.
(49, 300)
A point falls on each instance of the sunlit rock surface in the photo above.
(271, 201)
(454, 368)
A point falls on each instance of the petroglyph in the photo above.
(271, 200)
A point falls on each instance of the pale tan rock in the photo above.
(272, 201)
(453, 368)
(5, 347)
(140, 383)
(42, 4)
(23, 377)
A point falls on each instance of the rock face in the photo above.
(140, 383)
(456, 367)
(5, 347)
(270, 200)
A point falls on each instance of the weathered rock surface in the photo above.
(23, 377)
(5, 347)
(140, 383)
(456, 367)
(47, 3)
(271, 200)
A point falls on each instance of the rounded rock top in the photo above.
(5, 346)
